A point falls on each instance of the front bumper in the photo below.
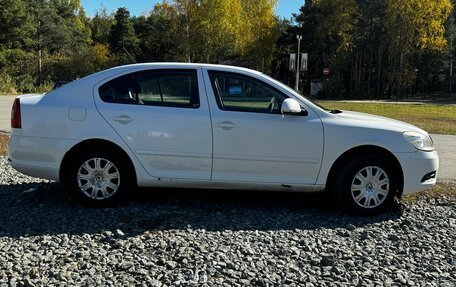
(416, 167)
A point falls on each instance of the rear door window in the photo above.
(171, 88)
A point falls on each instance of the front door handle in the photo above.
(225, 125)
(123, 119)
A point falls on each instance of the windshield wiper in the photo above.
(335, 111)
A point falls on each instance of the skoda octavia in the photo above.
(211, 126)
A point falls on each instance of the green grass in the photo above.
(437, 119)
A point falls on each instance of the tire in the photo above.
(101, 178)
(365, 185)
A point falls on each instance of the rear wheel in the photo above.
(365, 185)
(100, 178)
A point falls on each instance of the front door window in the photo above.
(235, 92)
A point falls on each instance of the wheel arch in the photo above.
(367, 150)
(92, 144)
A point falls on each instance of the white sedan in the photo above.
(211, 126)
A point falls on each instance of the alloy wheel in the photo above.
(370, 187)
(98, 178)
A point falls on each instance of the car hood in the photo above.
(377, 122)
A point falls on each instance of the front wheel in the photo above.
(366, 185)
(100, 178)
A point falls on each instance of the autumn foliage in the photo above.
(373, 48)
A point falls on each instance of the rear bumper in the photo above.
(417, 168)
(37, 157)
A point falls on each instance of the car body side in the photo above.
(54, 124)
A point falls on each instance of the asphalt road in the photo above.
(445, 144)
(446, 147)
(6, 102)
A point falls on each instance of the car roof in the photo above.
(183, 65)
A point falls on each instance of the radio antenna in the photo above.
(133, 59)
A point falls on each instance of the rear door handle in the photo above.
(123, 119)
(225, 125)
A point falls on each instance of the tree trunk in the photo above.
(369, 78)
(379, 73)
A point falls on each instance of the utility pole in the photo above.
(298, 64)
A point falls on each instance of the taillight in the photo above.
(16, 115)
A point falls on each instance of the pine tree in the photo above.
(123, 35)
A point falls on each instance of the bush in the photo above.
(25, 84)
(7, 85)
(44, 87)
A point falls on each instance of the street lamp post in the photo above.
(298, 64)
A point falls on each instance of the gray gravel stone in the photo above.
(217, 238)
(393, 237)
(351, 227)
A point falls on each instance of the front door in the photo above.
(253, 141)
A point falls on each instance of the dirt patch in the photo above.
(3, 144)
(441, 189)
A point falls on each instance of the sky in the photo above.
(285, 9)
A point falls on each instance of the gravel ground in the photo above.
(217, 238)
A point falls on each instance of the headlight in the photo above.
(420, 141)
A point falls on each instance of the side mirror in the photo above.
(291, 106)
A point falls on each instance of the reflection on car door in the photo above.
(253, 142)
(163, 116)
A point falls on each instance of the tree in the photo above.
(101, 25)
(160, 35)
(413, 26)
(62, 25)
(16, 40)
(123, 35)
(283, 47)
(210, 28)
(219, 29)
(262, 31)
(213, 31)
(15, 25)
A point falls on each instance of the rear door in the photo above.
(163, 116)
